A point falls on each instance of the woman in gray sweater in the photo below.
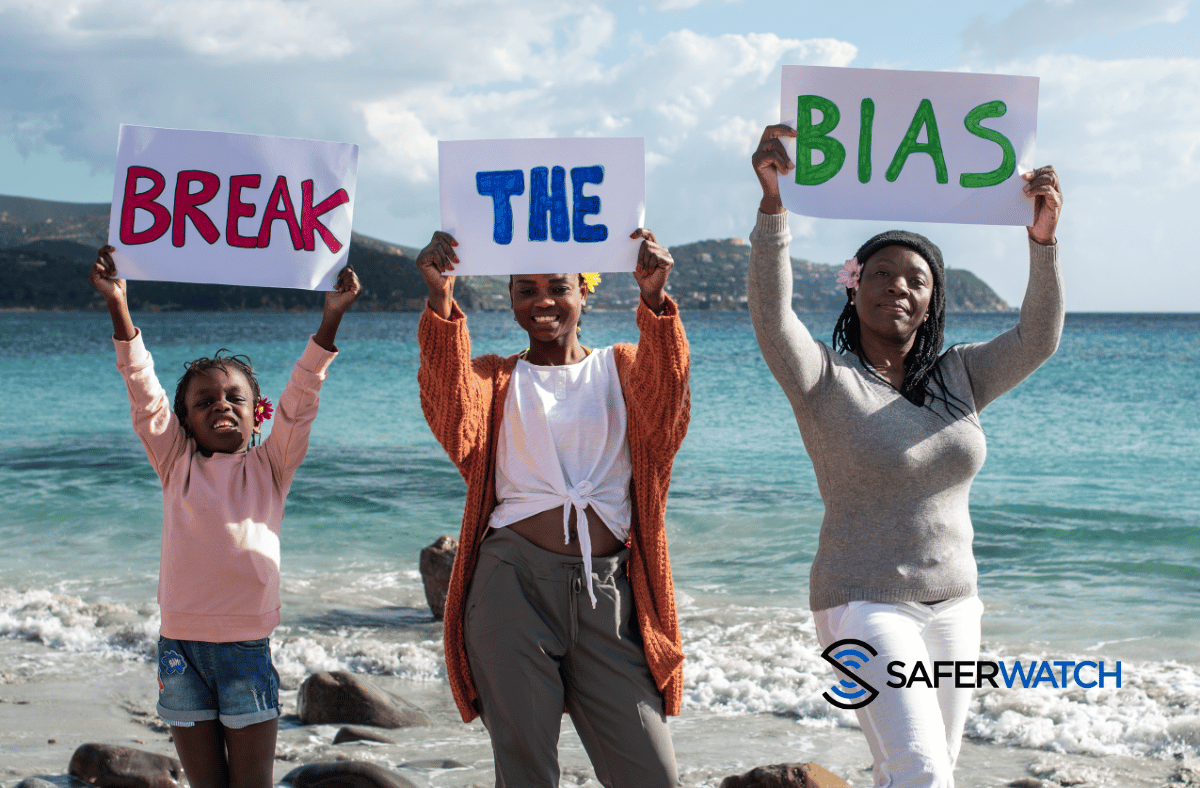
(892, 427)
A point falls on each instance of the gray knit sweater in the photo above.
(895, 477)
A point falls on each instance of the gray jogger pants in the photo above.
(535, 646)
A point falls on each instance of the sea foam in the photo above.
(740, 660)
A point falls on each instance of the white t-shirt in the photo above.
(563, 443)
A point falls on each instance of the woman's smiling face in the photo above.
(547, 306)
(894, 291)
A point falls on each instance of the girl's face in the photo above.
(894, 291)
(220, 411)
(547, 306)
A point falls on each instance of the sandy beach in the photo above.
(47, 711)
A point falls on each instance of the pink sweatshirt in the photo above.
(219, 575)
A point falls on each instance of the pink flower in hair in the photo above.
(263, 410)
(848, 276)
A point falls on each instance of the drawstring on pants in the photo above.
(576, 588)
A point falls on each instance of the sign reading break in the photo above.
(239, 209)
(908, 145)
(543, 206)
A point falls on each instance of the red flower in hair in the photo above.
(263, 410)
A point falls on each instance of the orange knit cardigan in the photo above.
(463, 400)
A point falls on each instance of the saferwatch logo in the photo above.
(847, 656)
(853, 692)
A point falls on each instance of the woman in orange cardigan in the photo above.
(561, 593)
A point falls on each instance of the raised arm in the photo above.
(297, 409)
(345, 291)
(154, 421)
(794, 357)
(454, 395)
(103, 277)
(657, 386)
(998, 365)
(436, 259)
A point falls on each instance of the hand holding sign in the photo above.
(103, 277)
(653, 267)
(771, 162)
(436, 262)
(346, 291)
(1042, 185)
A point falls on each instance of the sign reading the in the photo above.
(543, 205)
(237, 209)
(908, 145)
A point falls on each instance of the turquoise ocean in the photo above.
(1086, 513)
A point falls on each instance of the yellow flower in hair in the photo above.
(590, 281)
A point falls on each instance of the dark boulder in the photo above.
(114, 766)
(786, 775)
(436, 562)
(352, 733)
(345, 774)
(343, 698)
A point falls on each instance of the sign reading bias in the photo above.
(908, 145)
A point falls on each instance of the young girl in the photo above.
(561, 593)
(223, 502)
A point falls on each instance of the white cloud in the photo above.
(1038, 24)
(677, 92)
(1122, 118)
(397, 76)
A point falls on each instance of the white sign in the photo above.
(235, 209)
(909, 145)
(543, 206)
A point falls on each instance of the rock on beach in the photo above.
(114, 766)
(341, 698)
(786, 775)
(352, 733)
(437, 560)
(345, 774)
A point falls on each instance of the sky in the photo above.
(1119, 105)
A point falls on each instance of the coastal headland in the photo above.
(46, 248)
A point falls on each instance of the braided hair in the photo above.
(202, 366)
(921, 363)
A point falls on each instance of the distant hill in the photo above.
(47, 247)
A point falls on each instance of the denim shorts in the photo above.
(233, 682)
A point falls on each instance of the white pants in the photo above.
(914, 732)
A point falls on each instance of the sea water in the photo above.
(1086, 516)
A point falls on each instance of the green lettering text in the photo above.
(933, 146)
(866, 114)
(1008, 164)
(811, 137)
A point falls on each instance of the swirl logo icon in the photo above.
(846, 656)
